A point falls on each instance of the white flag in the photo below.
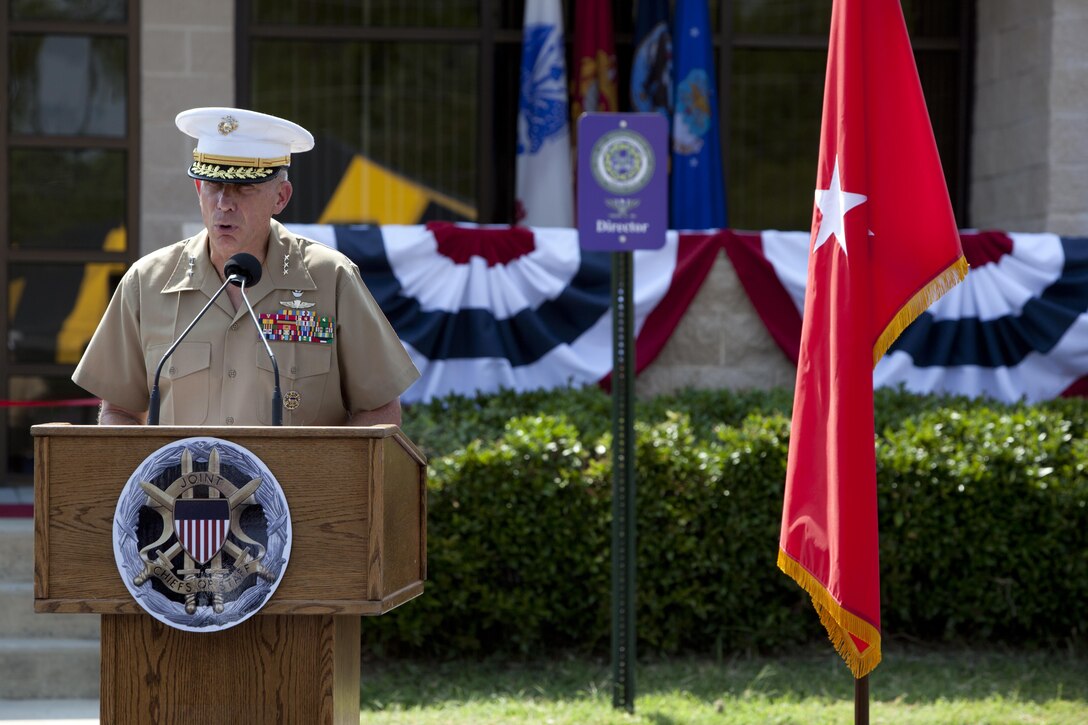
(545, 194)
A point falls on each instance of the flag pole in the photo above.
(861, 701)
(623, 483)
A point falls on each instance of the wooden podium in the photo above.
(357, 498)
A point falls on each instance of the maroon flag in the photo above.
(594, 73)
(884, 247)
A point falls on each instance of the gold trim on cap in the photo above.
(259, 163)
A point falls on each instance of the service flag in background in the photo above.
(544, 184)
(651, 66)
(696, 184)
(594, 60)
(884, 246)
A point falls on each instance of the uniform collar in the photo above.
(283, 266)
(194, 259)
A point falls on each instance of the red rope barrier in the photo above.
(67, 403)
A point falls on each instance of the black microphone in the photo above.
(241, 268)
(244, 269)
(232, 276)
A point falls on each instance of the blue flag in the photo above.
(697, 185)
(651, 68)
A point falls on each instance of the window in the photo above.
(68, 151)
(414, 103)
(775, 86)
(390, 91)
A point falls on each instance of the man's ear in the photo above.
(196, 183)
(283, 195)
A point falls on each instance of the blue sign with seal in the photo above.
(623, 191)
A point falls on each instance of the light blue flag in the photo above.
(697, 187)
(651, 67)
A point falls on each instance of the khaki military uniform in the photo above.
(220, 374)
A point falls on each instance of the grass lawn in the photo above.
(911, 686)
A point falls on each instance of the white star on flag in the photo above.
(833, 204)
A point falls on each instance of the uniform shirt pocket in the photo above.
(185, 382)
(304, 375)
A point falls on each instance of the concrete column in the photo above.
(1030, 137)
(186, 60)
(1011, 135)
(1067, 211)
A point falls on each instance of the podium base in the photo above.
(269, 669)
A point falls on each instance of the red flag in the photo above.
(884, 247)
(594, 76)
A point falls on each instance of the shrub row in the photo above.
(983, 518)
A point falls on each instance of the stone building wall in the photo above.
(719, 343)
(1029, 152)
(1067, 157)
(186, 61)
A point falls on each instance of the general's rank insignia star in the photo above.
(833, 204)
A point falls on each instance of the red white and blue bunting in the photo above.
(1015, 329)
(481, 308)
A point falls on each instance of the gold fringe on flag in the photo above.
(838, 622)
(918, 304)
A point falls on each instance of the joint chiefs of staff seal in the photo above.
(220, 374)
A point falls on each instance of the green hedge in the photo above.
(983, 518)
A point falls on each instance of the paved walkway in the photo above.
(49, 712)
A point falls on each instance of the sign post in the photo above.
(623, 206)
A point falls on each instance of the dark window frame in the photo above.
(129, 30)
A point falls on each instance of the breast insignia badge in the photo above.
(292, 399)
(297, 303)
(202, 548)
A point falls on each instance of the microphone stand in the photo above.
(153, 404)
(277, 398)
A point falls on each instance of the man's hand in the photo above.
(111, 414)
(388, 413)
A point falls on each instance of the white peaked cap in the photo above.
(239, 146)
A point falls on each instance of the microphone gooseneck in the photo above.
(277, 398)
(233, 277)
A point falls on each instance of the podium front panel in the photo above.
(357, 498)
